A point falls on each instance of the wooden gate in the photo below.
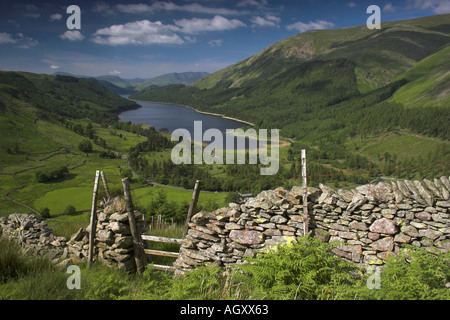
(162, 253)
(152, 252)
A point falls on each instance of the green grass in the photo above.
(404, 145)
(429, 83)
(145, 195)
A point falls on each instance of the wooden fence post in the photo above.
(192, 206)
(305, 195)
(139, 255)
(105, 184)
(93, 220)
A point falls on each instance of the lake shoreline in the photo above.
(199, 111)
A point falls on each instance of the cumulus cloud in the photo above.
(268, 21)
(143, 8)
(72, 35)
(103, 8)
(218, 23)
(55, 17)
(312, 25)
(216, 42)
(389, 8)
(142, 32)
(115, 72)
(19, 40)
(54, 67)
(437, 6)
(6, 38)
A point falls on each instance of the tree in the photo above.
(45, 213)
(85, 146)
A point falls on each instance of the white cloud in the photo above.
(54, 67)
(252, 3)
(33, 15)
(216, 43)
(351, 4)
(269, 21)
(142, 32)
(115, 72)
(6, 38)
(103, 8)
(389, 8)
(142, 8)
(20, 40)
(56, 17)
(72, 35)
(218, 23)
(437, 6)
(312, 25)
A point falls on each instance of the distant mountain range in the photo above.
(127, 86)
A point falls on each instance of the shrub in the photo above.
(303, 270)
(45, 213)
(70, 209)
(414, 274)
(85, 146)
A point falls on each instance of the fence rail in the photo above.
(162, 253)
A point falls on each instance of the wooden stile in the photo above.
(93, 220)
(305, 195)
(192, 206)
(105, 185)
(139, 255)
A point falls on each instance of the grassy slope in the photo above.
(44, 144)
(380, 55)
(429, 82)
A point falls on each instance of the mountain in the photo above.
(379, 55)
(121, 86)
(325, 83)
(185, 78)
(61, 95)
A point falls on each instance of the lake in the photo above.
(174, 117)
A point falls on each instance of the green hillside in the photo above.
(429, 82)
(43, 120)
(379, 55)
(348, 96)
(185, 78)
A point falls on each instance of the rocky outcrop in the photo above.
(371, 222)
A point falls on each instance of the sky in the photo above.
(139, 38)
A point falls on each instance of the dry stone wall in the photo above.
(113, 241)
(371, 221)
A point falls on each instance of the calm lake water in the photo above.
(174, 117)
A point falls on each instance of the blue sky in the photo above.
(148, 38)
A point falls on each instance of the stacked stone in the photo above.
(228, 234)
(113, 241)
(371, 221)
(34, 235)
(374, 221)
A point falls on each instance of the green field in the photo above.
(144, 196)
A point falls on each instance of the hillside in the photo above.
(43, 121)
(429, 82)
(315, 83)
(185, 78)
(361, 102)
(379, 55)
